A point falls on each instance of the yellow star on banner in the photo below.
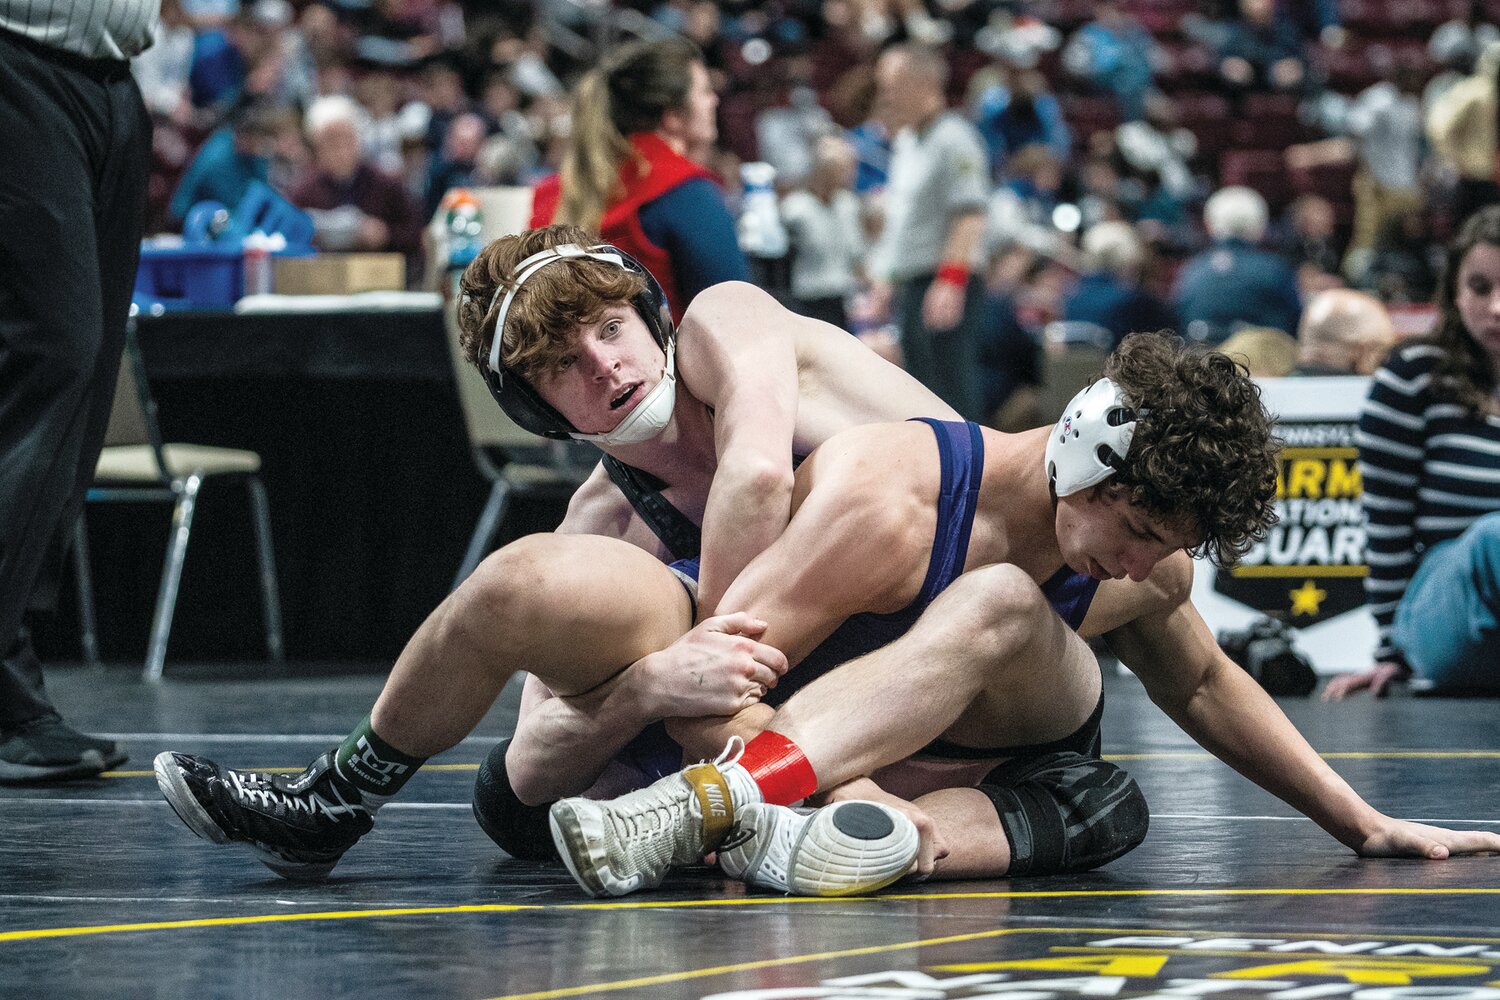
(1307, 598)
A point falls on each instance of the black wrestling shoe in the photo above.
(299, 825)
(48, 749)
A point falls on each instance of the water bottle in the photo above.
(258, 248)
(760, 231)
(464, 228)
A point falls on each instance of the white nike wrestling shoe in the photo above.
(844, 849)
(622, 845)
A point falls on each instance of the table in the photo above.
(373, 493)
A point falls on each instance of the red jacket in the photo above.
(664, 169)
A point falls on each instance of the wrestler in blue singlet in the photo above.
(961, 456)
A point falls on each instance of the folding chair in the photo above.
(513, 460)
(136, 466)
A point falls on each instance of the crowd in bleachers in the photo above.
(1366, 128)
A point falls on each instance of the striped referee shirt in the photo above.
(1429, 471)
(93, 29)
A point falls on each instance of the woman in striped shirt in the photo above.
(1429, 440)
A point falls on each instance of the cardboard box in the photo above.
(339, 274)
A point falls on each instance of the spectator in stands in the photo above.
(354, 206)
(1110, 294)
(162, 71)
(409, 30)
(324, 37)
(1401, 268)
(1429, 445)
(456, 164)
(1343, 332)
(520, 55)
(443, 94)
(1020, 210)
(640, 121)
(1310, 243)
(245, 58)
(219, 64)
(878, 19)
(1116, 54)
(1385, 122)
(786, 133)
(1455, 45)
(501, 102)
(852, 103)
(826, 233)
(1261, 50)
(379, 89)
(1010, 365)
(1157, 147)
(1461, 125)
(1322, 22)
(1265, 351)
(1016, 110)
(292, 67)
(932, 242)
(231, 157)
(1233, 282)
(1100, 194)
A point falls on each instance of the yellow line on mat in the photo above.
(267, 918)
(56, 932)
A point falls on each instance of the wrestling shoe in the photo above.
(844, 849)
(618, 846)
(48, 749)
(299, 825)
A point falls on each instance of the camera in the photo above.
(1265, 651)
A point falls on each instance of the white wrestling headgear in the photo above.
(1090, 440)
(648, 418)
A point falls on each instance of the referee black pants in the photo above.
(945, 361)
(75, 144)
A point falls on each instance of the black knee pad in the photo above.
(1064, 812)
(519, 829)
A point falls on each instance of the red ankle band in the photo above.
(780, 768)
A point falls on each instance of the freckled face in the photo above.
(610, 366)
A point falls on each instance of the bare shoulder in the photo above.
(599, 508)
(867, 494)
(875, 455)
(844, 379)
(728, 304)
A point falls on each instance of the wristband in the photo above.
(950, 273)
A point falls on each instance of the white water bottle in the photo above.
(760, 230)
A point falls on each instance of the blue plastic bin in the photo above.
(205, 276)
(210, 274)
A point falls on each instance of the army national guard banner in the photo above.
(1309, 571)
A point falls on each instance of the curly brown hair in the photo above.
(549, 306)
(1465, 375)
(1204, 452)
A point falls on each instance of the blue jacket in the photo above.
(1118, 307)
(218, 172)
(1235, 284)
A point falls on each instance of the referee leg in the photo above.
(72, 168)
